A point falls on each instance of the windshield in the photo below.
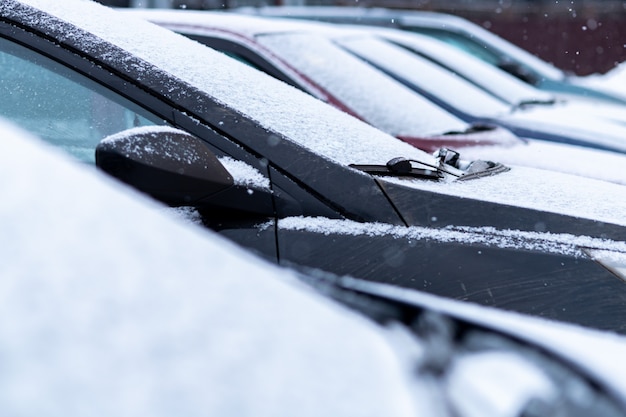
(377, 98)
(468, 36)
(426, 76)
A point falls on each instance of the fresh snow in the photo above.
(244, 174)
(547, 242)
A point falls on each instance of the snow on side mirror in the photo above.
(166, 163)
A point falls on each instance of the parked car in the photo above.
(301, 183)
(460, 33)
(540, 120)
(317, 58)
(498, 83)
(111, 307)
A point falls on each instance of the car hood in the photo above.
(576, 160)
(522, 199)
(573, 124)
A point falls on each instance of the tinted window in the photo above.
(60, 105)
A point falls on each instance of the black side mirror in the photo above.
(169, 164)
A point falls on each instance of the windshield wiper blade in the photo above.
(404, 168)
(533, 102)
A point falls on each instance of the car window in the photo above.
(462, 43)
(60, 105)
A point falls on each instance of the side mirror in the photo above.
(169, 164)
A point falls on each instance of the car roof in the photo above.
(117, 308)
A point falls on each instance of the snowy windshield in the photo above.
(427, 76)
(377, 98)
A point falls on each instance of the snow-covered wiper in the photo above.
(530, 102)
(449, 164)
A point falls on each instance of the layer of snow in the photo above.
(578, 344)
(565, 244)
(244, 174)
(499, 83)
(378, 99)
(574, 122)
(428, 76)
(552, 192)
(569, 159)
(306, 47)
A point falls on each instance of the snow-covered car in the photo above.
(496, 82)
(294, 179)
(293, 52)
(463, 35)
(112, 308)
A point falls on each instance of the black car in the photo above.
(301, 183)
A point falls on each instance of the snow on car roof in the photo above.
(273, 104)
(109, 307)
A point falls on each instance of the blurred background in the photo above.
(579, 36)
